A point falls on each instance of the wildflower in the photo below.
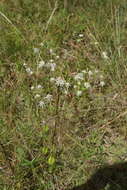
(65, 92)
(36, 50)
(67, 84)
(24, 64)
(84, 71)
(104, 55)
(41, 104)
(75, 86)
(37, 96)
(79, 93)
(101, 76)
(51, 60)
(53, 66)
(57, 57)
(32, 87)
(41, 64)
(102, 83)
(81, 35)
(79, 76)
(42, 44)
(29, 71)
(51, 51)
(60, 82)
(39, 86)
(52, 79)
(96, 71)
(79, 83)
(48, 97)
(87, 85)
(90, 73)
(96, 43)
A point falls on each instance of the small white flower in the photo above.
(101, 76)
(36, 50)
(42, 44)
(96, 43)
(102, 83)
(51, 51)
(66, 92)
(32, 87)
(75, 86)
(90, 73)
(79, 76)
(52, 79)
(37, 96)
(67, 84)
(41, 64)
(57, 57)
(51, 60)
(79, 93)
(53, 66)
(84, 71)
(104, 55)
(48, 97)
(96, 71)
(87, 85)
(24, 64)
(81, 35)
(41, 104)
(39, 86)
(79, 83)
(29, 71)
(60, 82)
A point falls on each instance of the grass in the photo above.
(77, 58)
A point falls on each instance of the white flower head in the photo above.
(39, 86)
(104, 55)
(81, 35)
(101, 76)
(102, 83)
(53, 66)
(52, 79)
(36, 50)
(41, 64)
(67, 84)
(84, 71)
(51, 60)
(32, 87)
(79, 76)
(96, 43)
(90, 73)
(41, 104)
(96, 71)
(75, 86)
(24, 64)
(37, 96)
(87, 85)
(57, 57)
(60, 82)
(79, 93)
(29, 71)
(51, 51)
(41, 44)
(48, 98)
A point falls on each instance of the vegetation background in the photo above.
(63, 91)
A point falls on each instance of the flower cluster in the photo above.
(87, 79)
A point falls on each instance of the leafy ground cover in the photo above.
(63, 91)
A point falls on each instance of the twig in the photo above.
(51, 16)
(111, 121)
